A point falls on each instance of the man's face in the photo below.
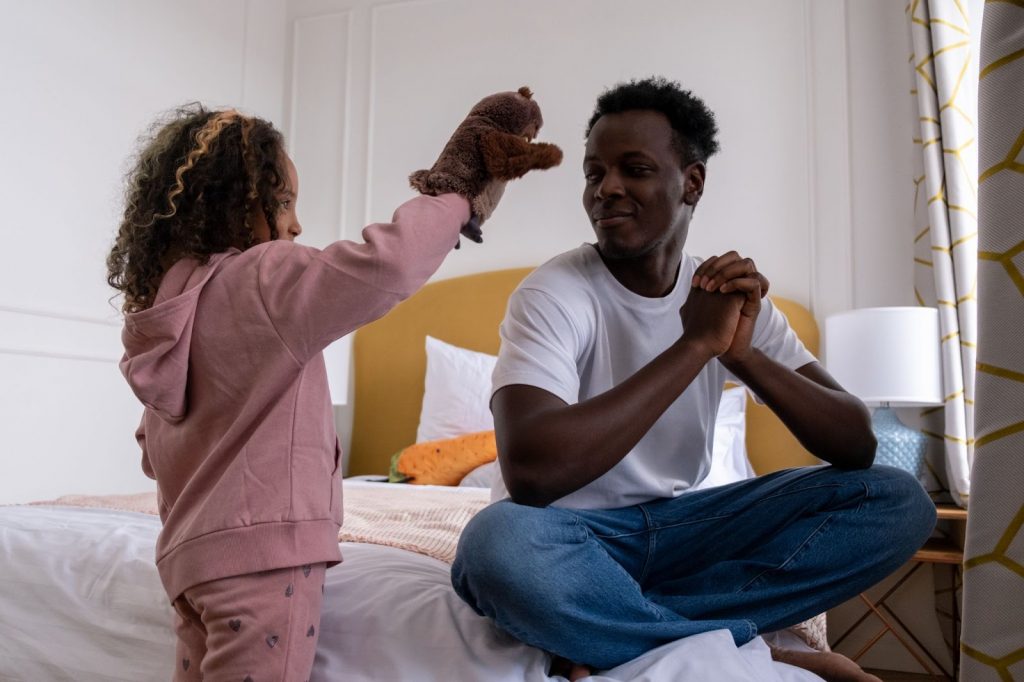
(637, 195)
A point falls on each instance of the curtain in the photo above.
(946, 228)
(993, 621)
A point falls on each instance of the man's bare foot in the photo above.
(829, 665)
(569, 670)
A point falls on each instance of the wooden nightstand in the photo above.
(942, 551)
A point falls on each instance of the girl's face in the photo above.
(288, 226)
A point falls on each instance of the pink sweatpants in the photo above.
(260, 627)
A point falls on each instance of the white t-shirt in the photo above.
(573, 330)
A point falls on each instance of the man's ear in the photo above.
(693, 182)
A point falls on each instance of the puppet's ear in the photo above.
(525, 92)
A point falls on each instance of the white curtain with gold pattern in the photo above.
(993, 622)
(946, 227)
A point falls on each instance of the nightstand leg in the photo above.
(902, 579)
(921, 646)
(895, 633)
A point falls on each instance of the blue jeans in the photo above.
(603, 586)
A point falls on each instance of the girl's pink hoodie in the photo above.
(238, 429)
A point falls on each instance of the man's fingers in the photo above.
(715, 272)
(712, 271)
(739, 267)
(701, 270)
(751, 286)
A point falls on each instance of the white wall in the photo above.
(80, 81)
(810, 96)
(811, 99)
(882, 123)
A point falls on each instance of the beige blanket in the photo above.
(419, 519)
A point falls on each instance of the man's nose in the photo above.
(610, 185)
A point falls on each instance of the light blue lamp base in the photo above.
(898, 445)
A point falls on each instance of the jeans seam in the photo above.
(791, 557)
(588, 533)
(795, 491)
(652, 543)
(583, 528)
(864, 498)
(728, 514)
(690, 522)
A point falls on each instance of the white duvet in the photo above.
(80, 600)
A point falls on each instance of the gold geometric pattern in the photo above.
(992, 639)
(998, 554)
(1006, 259)
(1001, 665)
(946, 228)
(1009, 163)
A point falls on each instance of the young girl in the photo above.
(225, 321)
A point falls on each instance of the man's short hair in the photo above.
(693, 124)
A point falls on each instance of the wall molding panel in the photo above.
(46, 333)
(830, 236)
(317, 121)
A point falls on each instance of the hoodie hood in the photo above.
(157, 341)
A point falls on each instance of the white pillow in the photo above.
(457, 394)
(729, 461)
(481, 477)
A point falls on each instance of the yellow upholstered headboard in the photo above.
(390, 364)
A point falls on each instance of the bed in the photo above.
(80, 598)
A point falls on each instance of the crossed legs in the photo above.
(601, 587)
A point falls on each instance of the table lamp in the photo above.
(888, 357)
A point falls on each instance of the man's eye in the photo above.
(639, 170)
(284, 204)
(591, 177)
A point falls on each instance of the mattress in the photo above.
(80, 600)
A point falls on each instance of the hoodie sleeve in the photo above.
(315, 297)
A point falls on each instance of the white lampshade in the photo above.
(886, 355)
(337, 357)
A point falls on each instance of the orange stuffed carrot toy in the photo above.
(446, 462)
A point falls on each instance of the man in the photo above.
(609, 376)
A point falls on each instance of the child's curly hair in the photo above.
(198, 179)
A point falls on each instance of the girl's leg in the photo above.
(260, 627)
(191, 647)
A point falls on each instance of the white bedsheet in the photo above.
(80, 600)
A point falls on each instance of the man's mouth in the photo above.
(611, 218)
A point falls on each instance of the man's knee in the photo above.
(481, 537)
(909, 508)
(492, 545)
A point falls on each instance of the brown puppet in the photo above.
(494, 144)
